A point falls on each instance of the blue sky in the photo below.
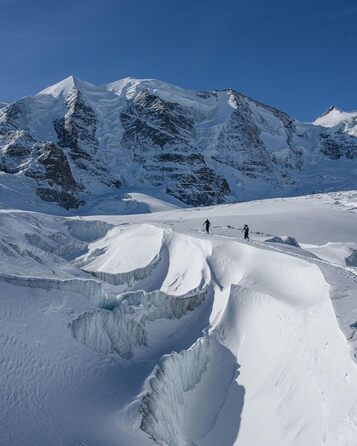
(297, 55)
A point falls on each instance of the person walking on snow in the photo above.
(245, 231)
(207, 225)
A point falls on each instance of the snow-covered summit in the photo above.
(76, 144)
(129, 87)
(331, 109)
(66, 85)
(334, 117)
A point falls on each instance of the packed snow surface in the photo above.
(142, 329)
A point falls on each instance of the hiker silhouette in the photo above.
(207, 225)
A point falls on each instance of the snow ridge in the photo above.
(222, 336)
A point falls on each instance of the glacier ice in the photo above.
(219, 338)
(162, 405)
(125, 325)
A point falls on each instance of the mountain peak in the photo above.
(64, 86)
(334, 116)
(331, 109)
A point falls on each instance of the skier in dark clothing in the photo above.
(207, 225)
(245, 231)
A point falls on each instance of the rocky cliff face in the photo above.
(75, 143)
(43, 162)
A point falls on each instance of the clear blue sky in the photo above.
(299, 56)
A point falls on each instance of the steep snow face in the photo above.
(137, 134)
(278, 381)
(133, 321)
(61, 88)
(173, 378)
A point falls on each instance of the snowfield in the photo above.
(127, 330)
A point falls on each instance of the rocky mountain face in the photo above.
(75, 144)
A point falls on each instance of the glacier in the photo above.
(138, 145)
(123, 322)
(143, 329)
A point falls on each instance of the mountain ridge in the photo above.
(75, 142)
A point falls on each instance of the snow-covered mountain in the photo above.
(80, 146)
(336, 118)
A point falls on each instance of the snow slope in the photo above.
(142, 329)
(80, 148)
(334, 117)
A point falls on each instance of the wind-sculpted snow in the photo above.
(223, 342)
(260, 330)
(256, 331)
(252, 326)
(149, 256)
(124, 249)
(127, 278)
